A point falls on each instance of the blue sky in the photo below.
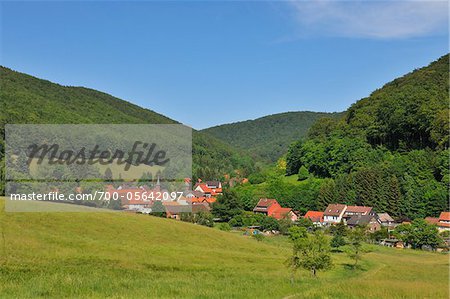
(214, 62)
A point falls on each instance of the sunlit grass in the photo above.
(125, 255)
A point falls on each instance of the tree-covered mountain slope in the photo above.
(411, 112)
(389, 151)
(268, 137)
(25, 99)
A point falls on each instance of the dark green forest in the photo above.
(268, 137)
(28, 100)
(389, 150)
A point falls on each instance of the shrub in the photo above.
(224, 226)
(258, 237)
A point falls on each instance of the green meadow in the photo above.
(119, 255)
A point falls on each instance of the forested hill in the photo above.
(268, 137)
(390, 151)
(410, 112)
(26, 99)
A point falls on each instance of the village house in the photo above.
(174, 209)
(142, 199)
(209, 188)
(315, 216)
(386, 220)
(131, 198)
(444, 221)
(351, 211)
(370, 221)
(334, 213)
(199, 196)
(272, 208)
(207, 200)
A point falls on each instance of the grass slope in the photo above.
(126, 255)
(268, 137)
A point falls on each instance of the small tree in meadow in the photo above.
(310, 253)
(356, 238)
(337, 241)
(339, 231)
(297, 232)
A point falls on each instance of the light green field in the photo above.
(120, 255)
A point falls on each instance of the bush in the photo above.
(284, 225)
(258, 237)
(202, 218)
(337, 241)
(224, 226)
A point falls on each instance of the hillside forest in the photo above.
(389, 150)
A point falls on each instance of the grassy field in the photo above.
(120, 255)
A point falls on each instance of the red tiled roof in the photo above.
(203, 199)
(334, 210)
(444, 216)
(315, 216)
(443, 224)
(205, 189)
(280, 213)
(432, 220)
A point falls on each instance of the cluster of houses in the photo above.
(143, 199)
(443, 222)
(351, 216)
(201, 196)
(334, 213)
(271, 208)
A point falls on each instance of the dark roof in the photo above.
(213, 183)
(195, 193)
(200, 207)
(177, 209)
(360, 219)
(264, 203)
